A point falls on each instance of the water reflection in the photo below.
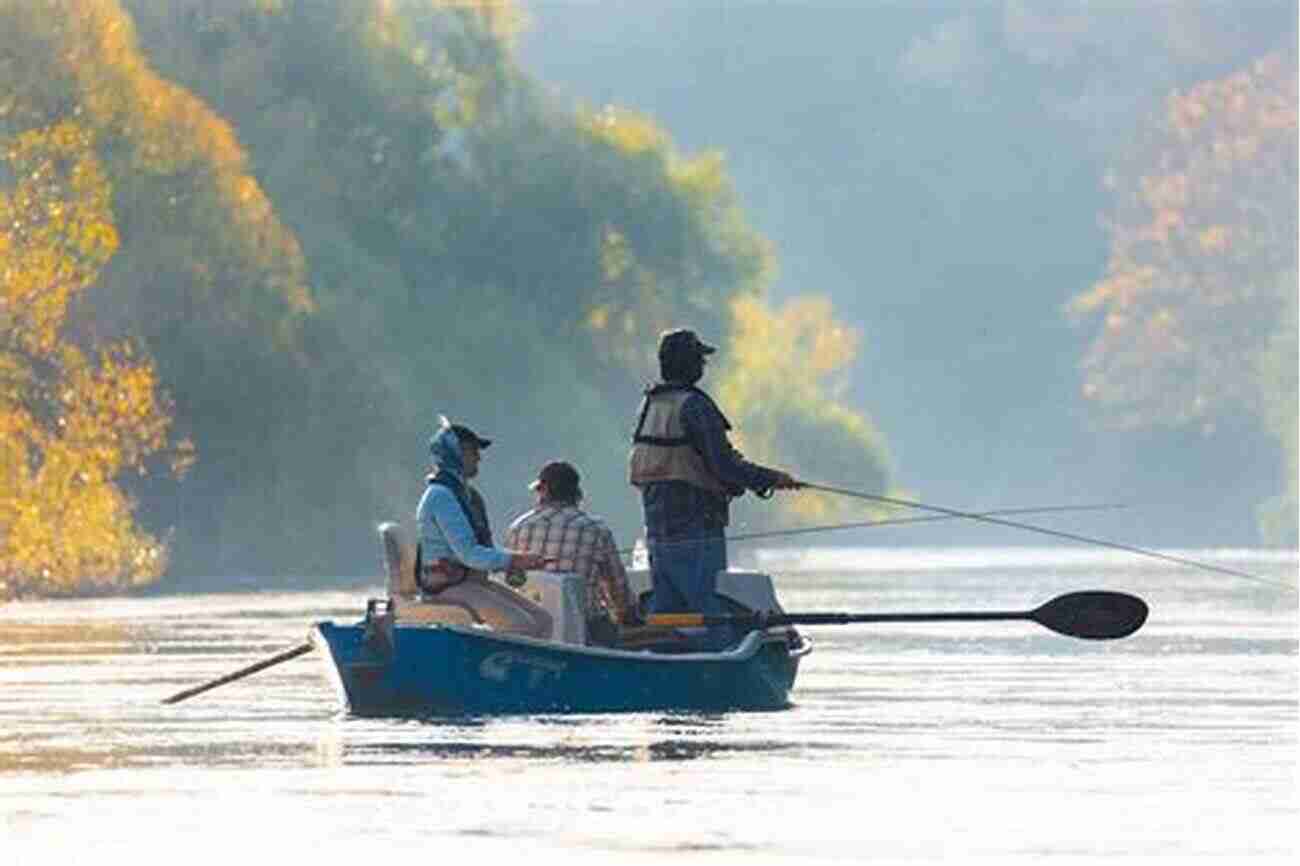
(67, 638)
(333, 751)
(566, 739)
(61, 760)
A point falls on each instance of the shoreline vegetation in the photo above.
(251, 250)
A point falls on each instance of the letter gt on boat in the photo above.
(411, 657)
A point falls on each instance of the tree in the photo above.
(206, 277)
(72, 420)
(421, 169)
(1197, 307)
(337, 218)
(777, 378)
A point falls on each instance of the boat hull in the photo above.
(446, 670)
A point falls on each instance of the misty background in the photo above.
(982, 255)
(936, 168)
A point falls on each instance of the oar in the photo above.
(240, 674)
(1089, 614)
(1015, 524)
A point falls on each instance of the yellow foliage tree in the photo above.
(778, 384)
(71, 420)
(80, 60)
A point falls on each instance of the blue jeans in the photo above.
(684, 577)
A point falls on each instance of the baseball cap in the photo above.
(464, 434)
(561, 480)
(682, 342)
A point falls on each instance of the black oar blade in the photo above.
(1093, 614)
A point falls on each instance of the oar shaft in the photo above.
(940, 616)
(1088, 614)
(239, 674)
(688, 620)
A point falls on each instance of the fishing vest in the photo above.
(660, 449)
(471, 502)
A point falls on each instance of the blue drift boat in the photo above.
(414, 656)
(384, 669)
(411, 656)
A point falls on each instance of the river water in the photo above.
(960, 742)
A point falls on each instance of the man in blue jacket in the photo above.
(688, 473)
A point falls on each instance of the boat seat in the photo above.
(560, 594)
(408, 603)
(741, 591)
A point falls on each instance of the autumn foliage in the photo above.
(294, 232)
(72, 418)
(1197, 310)
(314, 225)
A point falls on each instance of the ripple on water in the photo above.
(939, 742)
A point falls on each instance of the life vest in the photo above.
(433, 577)
(660, 449)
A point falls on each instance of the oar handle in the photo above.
(689, 620)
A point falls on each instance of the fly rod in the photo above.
(898, 521)
(1014, 524)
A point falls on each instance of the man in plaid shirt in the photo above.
(578, 542)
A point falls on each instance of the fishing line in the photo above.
(952, 512)
(899, 521)
(893, 521)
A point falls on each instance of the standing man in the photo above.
(688, 473)
(572, 540)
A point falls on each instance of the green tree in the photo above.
(780, 373)
(421, 169)
(338, 218)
